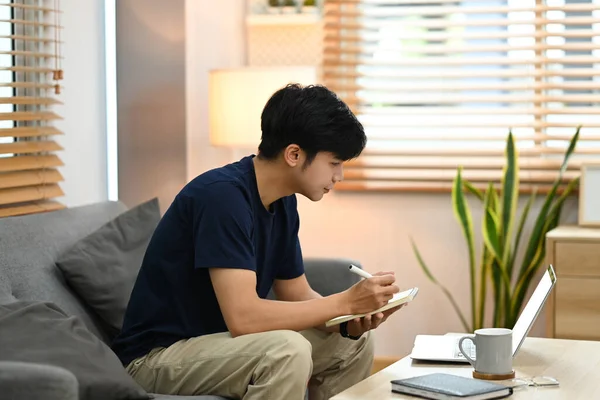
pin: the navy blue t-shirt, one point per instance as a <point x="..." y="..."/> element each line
<point x="217" y="220"/>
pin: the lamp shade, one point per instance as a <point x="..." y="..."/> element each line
<point x="237" y="98"/>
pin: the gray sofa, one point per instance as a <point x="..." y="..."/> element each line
<point x="29" y="246"/>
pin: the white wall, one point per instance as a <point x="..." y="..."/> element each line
<point x="84" y="110"/>
<point x="373" y="228"/>
<point x="214" y="39"/>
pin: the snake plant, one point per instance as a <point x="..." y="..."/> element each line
<point x="502" y="231"/>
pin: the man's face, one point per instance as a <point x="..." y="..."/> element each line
<point x="320" y="176"/>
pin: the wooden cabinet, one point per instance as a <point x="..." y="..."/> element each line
<point x="573" y="309"/>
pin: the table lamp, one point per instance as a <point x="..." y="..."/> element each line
<point x="237" y="97"/>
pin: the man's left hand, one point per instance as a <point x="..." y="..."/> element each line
<point x="358" y="326"/>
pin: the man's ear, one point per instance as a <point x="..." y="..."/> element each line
<point x="292" y="155"/>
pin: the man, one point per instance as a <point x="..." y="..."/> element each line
<point x="198" y="321"/>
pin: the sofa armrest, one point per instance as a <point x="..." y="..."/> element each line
<point x="330" y="275"/>
<point x="25" y="381"/>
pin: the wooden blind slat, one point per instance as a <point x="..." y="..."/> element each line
<point x="407" y="136"/>
<point x="428" y="187"/>
<point x="41" y="70"/>
<point x="395" y="126"/>
<point x="29" y="116"/>
<point x="371" y="36"/>
<point x="27" y="85"/>
<point x="384" y="2"/>
<point x="29" y="147"/>
<point x="436" y="61"/>
<point x="22" y="163"/>
<point x="26" y="131"/>
<point x="30" y="208"/>
<point x="29" y="178"/>
<point x="29" y="193"/>
<point x="454" y="99"/>
<point x="333" y="74"/>
<point x="367" y="50"/>
<point x="29" y="23"/>
<point x="29" y="100"/>
<point x="461" y="10"/>
<point x="32" y="54"/>
<point x="470" y="152"/>
<point x="517" y="110"/>
<point x="435" y="85"/>
<point x="475" y="175"/>
<point x="420" y="162"/>
<point x="353" y="3"/>
<point x="28" y="7"/>
<point x="441" y="23"/>
<point x="27" y="38"/>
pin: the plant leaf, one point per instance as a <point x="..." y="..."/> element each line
<point x="463" y="215"/>
<point x="491" y="239"/>
<point x="525" y="280"/>
<point x="486" y="260"/>
<point x="537" y="231"/>
<point x="422" y="262"/>
<point x="495" y="204"/>
<point x="510" y="196"/>
<point x="442" y="287"/>
<point x="495" y="271"/>
<point x="473" y="190"/>
<point x="570" y="150"/>
<point x="557" y="207"/>
<point x="551" y="222"/>
<point x="490" y="232"/>
<point x="509" y="267"/>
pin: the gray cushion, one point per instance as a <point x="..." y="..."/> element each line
<point x="29" y="246"/>
<point x="42" y="333"/>
<point x="103" y="266"/>
<point x="26" y="381"/>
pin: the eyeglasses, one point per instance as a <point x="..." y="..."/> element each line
<point x="537" y="381"/>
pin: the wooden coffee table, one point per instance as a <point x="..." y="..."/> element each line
<point x="574" y="363"/>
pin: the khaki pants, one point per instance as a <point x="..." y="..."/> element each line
<point x="268" y="366"/>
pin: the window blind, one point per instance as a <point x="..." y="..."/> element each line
<point x="439" y="83"/>
<point x="30" y="72"/>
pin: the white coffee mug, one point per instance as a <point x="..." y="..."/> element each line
<point x="493" y="351"/>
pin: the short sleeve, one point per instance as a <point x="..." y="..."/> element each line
<point x="222" y="228"/>
<point x="293" y="265"/>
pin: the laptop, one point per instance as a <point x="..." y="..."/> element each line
<point x="445" y="347"/>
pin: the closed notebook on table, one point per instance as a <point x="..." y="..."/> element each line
<point x="440" y="386"/>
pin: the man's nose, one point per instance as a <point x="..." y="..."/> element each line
<point x="339" y="175"/>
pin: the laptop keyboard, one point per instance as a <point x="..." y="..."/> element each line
<point x="468" y="347"/>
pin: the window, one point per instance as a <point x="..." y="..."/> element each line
<point x="5" y="75"/>
<point x="439" y="83"/>
<point x="29" y="75"/>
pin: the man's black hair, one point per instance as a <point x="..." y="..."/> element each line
<point x="314" y="118"/>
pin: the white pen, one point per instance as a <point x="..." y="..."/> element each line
<point x="358" y="271"/>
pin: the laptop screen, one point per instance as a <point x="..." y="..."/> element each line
<point x="533" y="308"/>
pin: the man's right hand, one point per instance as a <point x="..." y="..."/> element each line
<point x="372" y="293"/>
